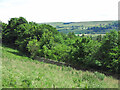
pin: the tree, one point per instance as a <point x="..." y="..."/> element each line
<point x="99" y="38"/>
<point x="107" y="54"/>
<point x="9" y="33"/>
<point x="71" y="35"/>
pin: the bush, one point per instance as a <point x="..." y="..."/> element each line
<point x="33" y="47"/>
<point x="99" y="75"/>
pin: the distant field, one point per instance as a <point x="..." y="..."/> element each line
<point x="90" y="34"/>
<point x="87" y="23"/>
<point x="98" y="27"/>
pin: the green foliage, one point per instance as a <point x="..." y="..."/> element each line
<point x="99" y="38"/>
<point x="43" y="40"/>
<point x="26" y="83"/>
<point x="60" y="51"/>
<point x="33" y="46"/>
<point x="9" y="31"/>
<point x="83" y="52"/>
<point x="108" y="52"/>
<point x="99" y="75"/>
<point x="71" y="35"/>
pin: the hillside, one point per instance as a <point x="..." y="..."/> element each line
<point x="91" y="27"/>
<point x="19" y="71"/>
<point x="99" y="53"/>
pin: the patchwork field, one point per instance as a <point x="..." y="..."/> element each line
<point x="91" y="27"/>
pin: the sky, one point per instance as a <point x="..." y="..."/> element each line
<point x="42" y="11"/>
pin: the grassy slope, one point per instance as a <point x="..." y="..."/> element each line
<point x="21" y="71"/>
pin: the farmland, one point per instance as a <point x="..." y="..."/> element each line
<point x="91" y="27"/>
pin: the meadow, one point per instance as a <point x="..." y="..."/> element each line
<point x="19" y="71"/>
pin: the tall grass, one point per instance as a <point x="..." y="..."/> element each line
<point x="23" y="72"/>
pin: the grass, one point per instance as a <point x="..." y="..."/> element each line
<point x="19" y="71"/>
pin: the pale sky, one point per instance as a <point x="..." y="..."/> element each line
<point x="59" y="10"/>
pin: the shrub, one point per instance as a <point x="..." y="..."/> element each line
<point x="99" y="75"/>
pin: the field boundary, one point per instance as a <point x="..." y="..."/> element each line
<point x="42" y="59"/>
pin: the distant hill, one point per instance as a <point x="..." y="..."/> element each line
<point x="91" y="27"/>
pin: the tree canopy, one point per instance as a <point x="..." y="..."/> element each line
<point x="45" y="41"/>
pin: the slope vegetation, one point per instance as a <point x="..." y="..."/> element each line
<point x="19" y="71"/>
